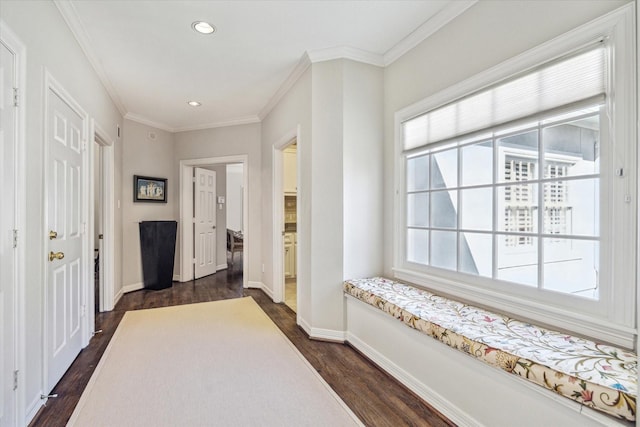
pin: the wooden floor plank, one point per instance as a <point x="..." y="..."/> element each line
<point x="375" y="397"/>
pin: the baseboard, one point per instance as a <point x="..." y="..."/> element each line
<point x="33" y="408"/>
<point x="222" y="267"/>
<point x="132" y="287"/>
<point x="176" y="277"/>
<point x="304" y="325"/>
<point x="118" y="296"/>
<point x="445" y="407"/>
<point x="327" y="335"/>
<point x="255" y="285"/>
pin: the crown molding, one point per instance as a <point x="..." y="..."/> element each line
<point x="162" y="126"/>
<point x="346" y="52"/>
<point x="147" y="122"/>
<point x="429" y="27"/>
<point x="297" y="72"/>
<point x="235" y="122"/>
<point x="70" y="16"/>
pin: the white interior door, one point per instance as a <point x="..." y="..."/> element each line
<point x="64" y="307"/>
<point x="205" y="222"/>
<point x="8" y="267"/>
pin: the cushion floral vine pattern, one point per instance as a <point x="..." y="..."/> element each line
<point x="599" y="376"/>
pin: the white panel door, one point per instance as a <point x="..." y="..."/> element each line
<point x="8" y="255"/>
<point x="64" y="308"/>
<point x="205" y="222"/>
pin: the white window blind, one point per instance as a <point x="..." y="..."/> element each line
<point x="574" y="79"/>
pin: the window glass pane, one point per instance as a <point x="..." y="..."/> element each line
<point x="477" y="163"/>
<point x="518" y="157"/>
<point x="477" y="209"/>
<point x="571" y="266"/>
<point x="518" y="208"/>
<point x="418" y="246"/>
<point x="418" y="173"/>
<point x="572" y="207"/>
<point x="444" y="169"/>
<point x="444" y="209"/>
<point x="418" y="210"/>
<point x="571" y="149"/>
<point x="476" y="254"/>
<point x="518" y="259"/>
<point x="443" y="249"/>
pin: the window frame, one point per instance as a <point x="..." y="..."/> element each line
<point x="612" y="318"/>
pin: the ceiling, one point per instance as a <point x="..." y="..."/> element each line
<point x="152" y="62"/>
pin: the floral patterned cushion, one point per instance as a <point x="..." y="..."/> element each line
<point x="596" y="375"/>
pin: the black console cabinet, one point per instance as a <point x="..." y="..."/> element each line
<point x="158" y="248"/>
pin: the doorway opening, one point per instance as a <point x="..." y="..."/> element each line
<point x="102" y="223"/>
<point x="289" y="226"/>
<point x="98" y="235"/>
<point x="193" y="228"/>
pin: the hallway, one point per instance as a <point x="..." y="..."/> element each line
<point x="376" y="398"/>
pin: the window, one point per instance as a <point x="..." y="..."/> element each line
<point x="518" y="195"/>
<point x="452" y="206"/>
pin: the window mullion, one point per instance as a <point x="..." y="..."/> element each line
<point x="541" y="207"/>
<point x="496" y="214"/>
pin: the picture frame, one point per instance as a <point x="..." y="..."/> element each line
<point x="149" y="189"/>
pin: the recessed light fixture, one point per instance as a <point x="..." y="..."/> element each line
<point x="194" y="103"/>
<point x="203" y="27"/>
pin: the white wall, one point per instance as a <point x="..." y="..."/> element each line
<point x="52" y="47"/>
<point x="487" y="34"/>
<point x="362" y="170"/>
<point x="147" y="157"/>
<point x="230" y="141"/>
<point x="293" y="110"/>
<point x="234" y="193"/>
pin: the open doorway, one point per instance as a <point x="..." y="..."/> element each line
<point x="189" y="238"/>
<point x="98" y="235"/>
<point x="289" y="227"/>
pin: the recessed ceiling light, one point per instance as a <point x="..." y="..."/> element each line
<point x="194" y="103"/>
<point x="203" y="27"/>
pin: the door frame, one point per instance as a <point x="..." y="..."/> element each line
<point x="186" y="211"/>
<point x="107" y="268"/>
<point x="13" y="43"/>
<point x="50" y="83"/>
<point x="278" y="210"/>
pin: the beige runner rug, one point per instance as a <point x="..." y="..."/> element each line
<point x="222" y="363"/>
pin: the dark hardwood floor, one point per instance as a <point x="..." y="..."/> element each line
<point x="375" y="397"/>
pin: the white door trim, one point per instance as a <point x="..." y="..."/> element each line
<point x="11" y="41"/>
<point x="278" y="210"/>
<point x="186" y="211"/>
<point x="50" y="83"/>
<point x="107" y="273"/>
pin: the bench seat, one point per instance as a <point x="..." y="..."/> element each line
<point x="599" y="376"/>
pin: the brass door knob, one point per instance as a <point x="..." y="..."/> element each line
<point x="55" y="255"/>
<point x="53" y="235"/>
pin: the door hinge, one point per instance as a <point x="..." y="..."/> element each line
<point x="15" y="238"/>
<point x="194" y="179"/>
<point x="15" y="380"/>
<point x="83" y="311"/>
<point x="16" y="97"/>
<point x="84" y="145"/>
<point x="194" y="261"/>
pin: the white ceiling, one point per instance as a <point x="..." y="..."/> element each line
<point x="152" y="62"/>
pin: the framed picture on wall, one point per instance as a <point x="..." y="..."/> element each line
<point x="148" y="189"/>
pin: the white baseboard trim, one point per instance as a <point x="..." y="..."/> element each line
<point x="327" y="335"/>
<point x="222" y="267"/>
<point x="255" y="285"/>
<point x="448" y="409"/>
<point x="118" y="296"/>
<point x="176" y="277"/>
<point x="304" y="325"/>
<point x="33" y="408"/>
<point x="132" y="287"/>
